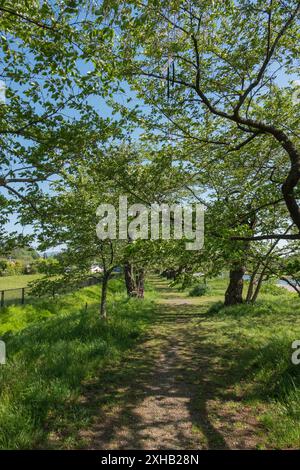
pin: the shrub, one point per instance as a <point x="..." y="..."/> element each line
<point x="199" y="290"/>
<point x="14" y="268"/>
<point x="3" y="266"/>
<point x="272" y="289"/>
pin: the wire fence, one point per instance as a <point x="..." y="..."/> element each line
<point x="22" y="295"/>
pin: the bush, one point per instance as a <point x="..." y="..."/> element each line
<point x="54" y="349"/>
<point x="14" y="268"/>
<point x="215" y="308"/>
<point x="3" y="266"/>
<point x="199" y="290"/>
<point x="272" y="289"/>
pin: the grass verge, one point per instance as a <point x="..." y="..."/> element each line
<point x="253" y="344"/>
<point x="53" y="349"/>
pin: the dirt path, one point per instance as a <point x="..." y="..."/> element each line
<point x="170" y="393"/>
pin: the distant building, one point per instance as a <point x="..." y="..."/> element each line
<point x="95" y="268"/>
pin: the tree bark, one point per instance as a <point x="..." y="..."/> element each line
<point x="259" y="284"/>
<point x="129" y="279"/>
<point x="140" y="282"/>
<point x="103" y="313"/>
<point x="234" y="292"/>
<point x="251" y="285"/>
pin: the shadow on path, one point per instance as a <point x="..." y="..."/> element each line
<point x="169" y="393"/>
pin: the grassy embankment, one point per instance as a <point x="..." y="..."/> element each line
<point x="54" y="348"/>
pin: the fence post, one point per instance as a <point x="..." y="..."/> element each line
<point x="23" y="296"/>
<point x="2" y="299"/>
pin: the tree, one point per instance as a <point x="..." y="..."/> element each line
<point x="69" y="220"/>
<point x="220" y="61"/>
<point x="46" y="121"/>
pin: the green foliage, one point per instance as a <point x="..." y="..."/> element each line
<point x="272" y="288"/>
<point x="24" y="260"/>
<point x="199" y="290"/>
<point x="233" y="126"/>
<point x="25" y="254"/>
<point x="47" y="123"/>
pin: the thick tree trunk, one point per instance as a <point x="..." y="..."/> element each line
<point x="104" y="285"/>
<point x="234" y="293"/>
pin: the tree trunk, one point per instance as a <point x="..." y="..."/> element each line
<point x="251" y="285"/>
<point x="129" y="279"/>
<point x="259" y="283"/>
<point x="234" y="292"/>
<point x="134" y="282"/>
<point x="103" y="313"/>
<point x="140" y="281"/>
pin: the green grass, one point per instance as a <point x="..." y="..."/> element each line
<point x="55" y="348"/>
<point x="253" y="344"/>
<point x="16" y="282"/>
<point x="12" y="285"/>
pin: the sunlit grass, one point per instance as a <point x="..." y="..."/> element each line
<point x="16" y="282"/>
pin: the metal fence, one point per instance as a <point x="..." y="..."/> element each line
<point x="12" y="296"/>
<point x="21" y="295"/>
